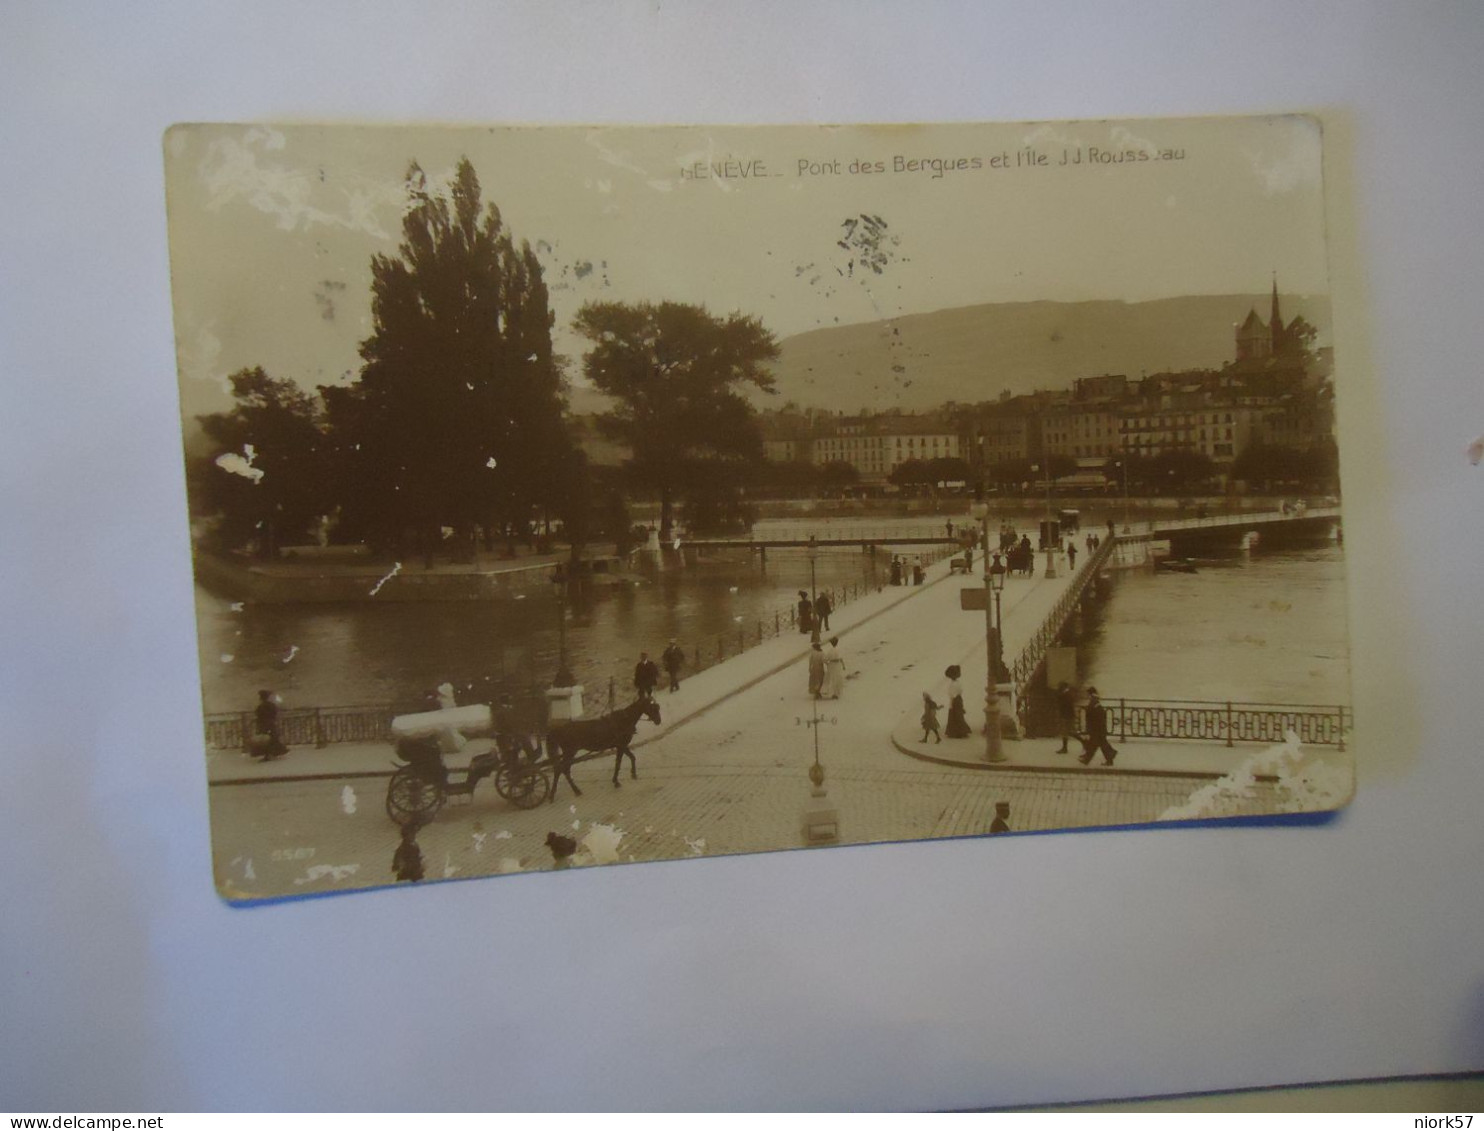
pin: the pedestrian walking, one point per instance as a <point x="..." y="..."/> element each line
<point x="958" y="723"/>
<point x="646" y="676"/>
<point x="1097" y="731"/>
<point x="822" y="611"/>
<point x="918" y="574"/>
<point x="674" y="659"/>
<point x="407" y="860"/>
<point x="806" y="612"/>
<point x="950" y="528"/>
<point x="834" y="671"/>
<point x="1066" y="713"/>
<point x="816" y="670"/>
<point x="1071" y="555"/>
<point x="896" y="570"/>
<point x="1001" y="822"/>
<point x="264" y="742"/>
<point x="930" y="710"/>
<point x="1092" y="543"/>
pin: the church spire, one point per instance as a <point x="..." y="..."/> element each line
<point x="1275" y="323"/>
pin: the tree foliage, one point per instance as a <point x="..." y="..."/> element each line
<point x="266" y="477"/>
<point x="457" y="417"/>
<point x="677" y="373"/>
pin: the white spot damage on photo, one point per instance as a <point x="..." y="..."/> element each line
<point x="347" y="800"/>
<point x="242" y="465"/>
<point x="396" y="569"/>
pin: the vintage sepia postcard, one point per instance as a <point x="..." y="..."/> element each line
<point x="565" y="496"/>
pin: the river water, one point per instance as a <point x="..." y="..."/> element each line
<point x="1264" y="627"/>
<point x="1269" y="626"/>
<point x="365" y="653"/>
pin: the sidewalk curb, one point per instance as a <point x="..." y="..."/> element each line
<point x="280" y="779"/>
<point x="1101" y="771"/>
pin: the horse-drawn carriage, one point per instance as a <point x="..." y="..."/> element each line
<point x="526" y="757"/>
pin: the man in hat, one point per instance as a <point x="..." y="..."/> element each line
<point x="1097" y="731"/>
<point x="1001" y="822"/>
<point x="673" y="658"/>
<point x="646" y="676"/>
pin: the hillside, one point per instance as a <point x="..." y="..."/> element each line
<point x="972" y="353"/>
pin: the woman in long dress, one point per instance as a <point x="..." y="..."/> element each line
<point x="834" y="670"/>
<point x="958" y="724"/>
<point x="816" y="670"/>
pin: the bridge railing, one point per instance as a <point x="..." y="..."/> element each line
<point x="1147" y="528"/>
<point x="1227" y="722"/>
<point x="850" y="532"/>
<point x="1024" y="668"/>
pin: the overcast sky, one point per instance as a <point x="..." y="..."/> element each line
<point x="272" y="228"/>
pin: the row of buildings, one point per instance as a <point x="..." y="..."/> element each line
<point x="1277" y="392"/>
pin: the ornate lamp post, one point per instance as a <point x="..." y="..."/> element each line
<point x="992" y="742"/>
<point x="1050" y="519"/>
<point x="997" y="586"/>
<point x="813" y="591"/>
<point x="563" y="676"/>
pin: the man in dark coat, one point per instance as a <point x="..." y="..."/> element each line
<point x="646" y="676"/>
<point x="1097" y="731"/>
<point x="674" y="658"/>
<point x="264" y="742"/>
<point x="822" y="611"/>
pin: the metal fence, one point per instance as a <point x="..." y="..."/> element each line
<point x="305" y="726"/>
<point x="1211" y="721"/>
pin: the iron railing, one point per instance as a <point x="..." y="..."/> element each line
<point x="1023" y="670"/>
<point x="1227" y="722"/>
<point x="305" y="726"/>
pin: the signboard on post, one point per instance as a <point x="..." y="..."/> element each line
<point x="973" y="599"/>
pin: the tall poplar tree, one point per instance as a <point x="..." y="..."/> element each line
<point x="456" y="419"/>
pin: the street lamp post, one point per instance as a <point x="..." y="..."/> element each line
<point x="563" y="673"/>
<point x="813" y="591"/>
<point x="993" y="751"/>
<point x="997" y="584"/>
<point x="1050" y="519"/>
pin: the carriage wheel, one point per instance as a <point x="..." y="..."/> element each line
<point x="525" y="787"/>
<point x="410" y="795"/>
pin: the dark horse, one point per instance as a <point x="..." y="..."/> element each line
<point x="610" y="732"/>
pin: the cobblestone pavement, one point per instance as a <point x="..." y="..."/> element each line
<point x="303" y="837"/>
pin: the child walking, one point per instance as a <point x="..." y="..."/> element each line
<point x="930" y="718"/>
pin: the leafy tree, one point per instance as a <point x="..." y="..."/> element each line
<point x="265" y="477"/>
<point x="838" y="473"/>
<point x="677" y="373"/>
<point x="457" y="417"/>
<point x="948" y="469"/>
<point x="911" y="473"/>
<point x="713" y="502"/>
<point x="1296" y="342"/>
